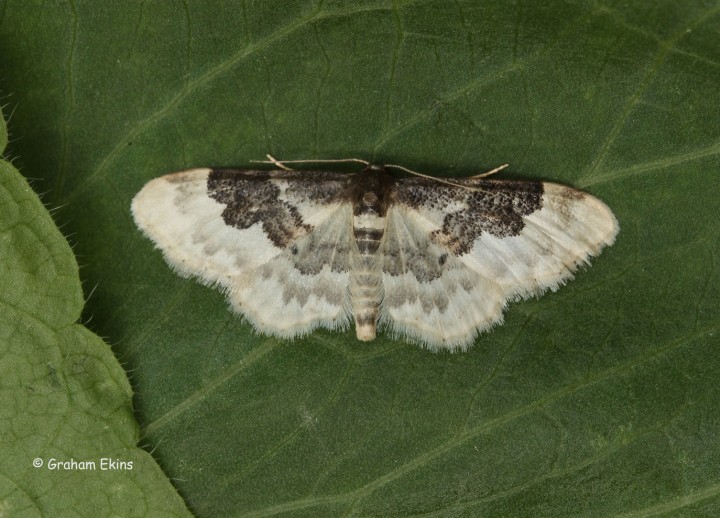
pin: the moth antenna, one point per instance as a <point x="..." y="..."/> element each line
<point x="280" y="163"/>
<point x="435" y="178"/>
<point x="271" y="160"/>
<point x="492" y="171"/>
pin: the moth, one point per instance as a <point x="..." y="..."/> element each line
<point x="434" y="262"/>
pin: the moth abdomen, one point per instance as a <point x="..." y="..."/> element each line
<point x="368" y="240"/>
<point x="366" y="293"/>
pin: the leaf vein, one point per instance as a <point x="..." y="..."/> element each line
<point x="455" y="442"/>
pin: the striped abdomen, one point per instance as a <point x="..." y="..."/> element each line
<point x="366" y="290"/>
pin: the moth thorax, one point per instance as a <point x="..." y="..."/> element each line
<point x="370" y="200"/>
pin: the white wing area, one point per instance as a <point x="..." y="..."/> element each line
<point x="295" y="293"/>
<point x="177" y="214"/>
<point x="569" y="229"/>
<point x="440" y="308"/>
<point x="451" y="307"/>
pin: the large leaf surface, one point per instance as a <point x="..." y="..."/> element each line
<point x="598" y="399"/>
<point x="69" y="440"/>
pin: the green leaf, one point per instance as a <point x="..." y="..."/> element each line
<point x="69" y="436"/>
<point x="598" y="399"/>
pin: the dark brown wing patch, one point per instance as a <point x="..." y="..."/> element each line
<point x="495" y="207"/>
<point x="266" y="197"/>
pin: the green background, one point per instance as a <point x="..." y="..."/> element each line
<point x="599" y="399"/>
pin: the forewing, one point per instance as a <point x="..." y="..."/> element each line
<point x="565" y="231"/>
<point x="503" y="240"/>
<point x="246" y="230"/>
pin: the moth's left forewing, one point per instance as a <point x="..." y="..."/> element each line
<point x="486" y="242"/>
<point x="180" y="217"/>
<point x="276" y="241"/>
